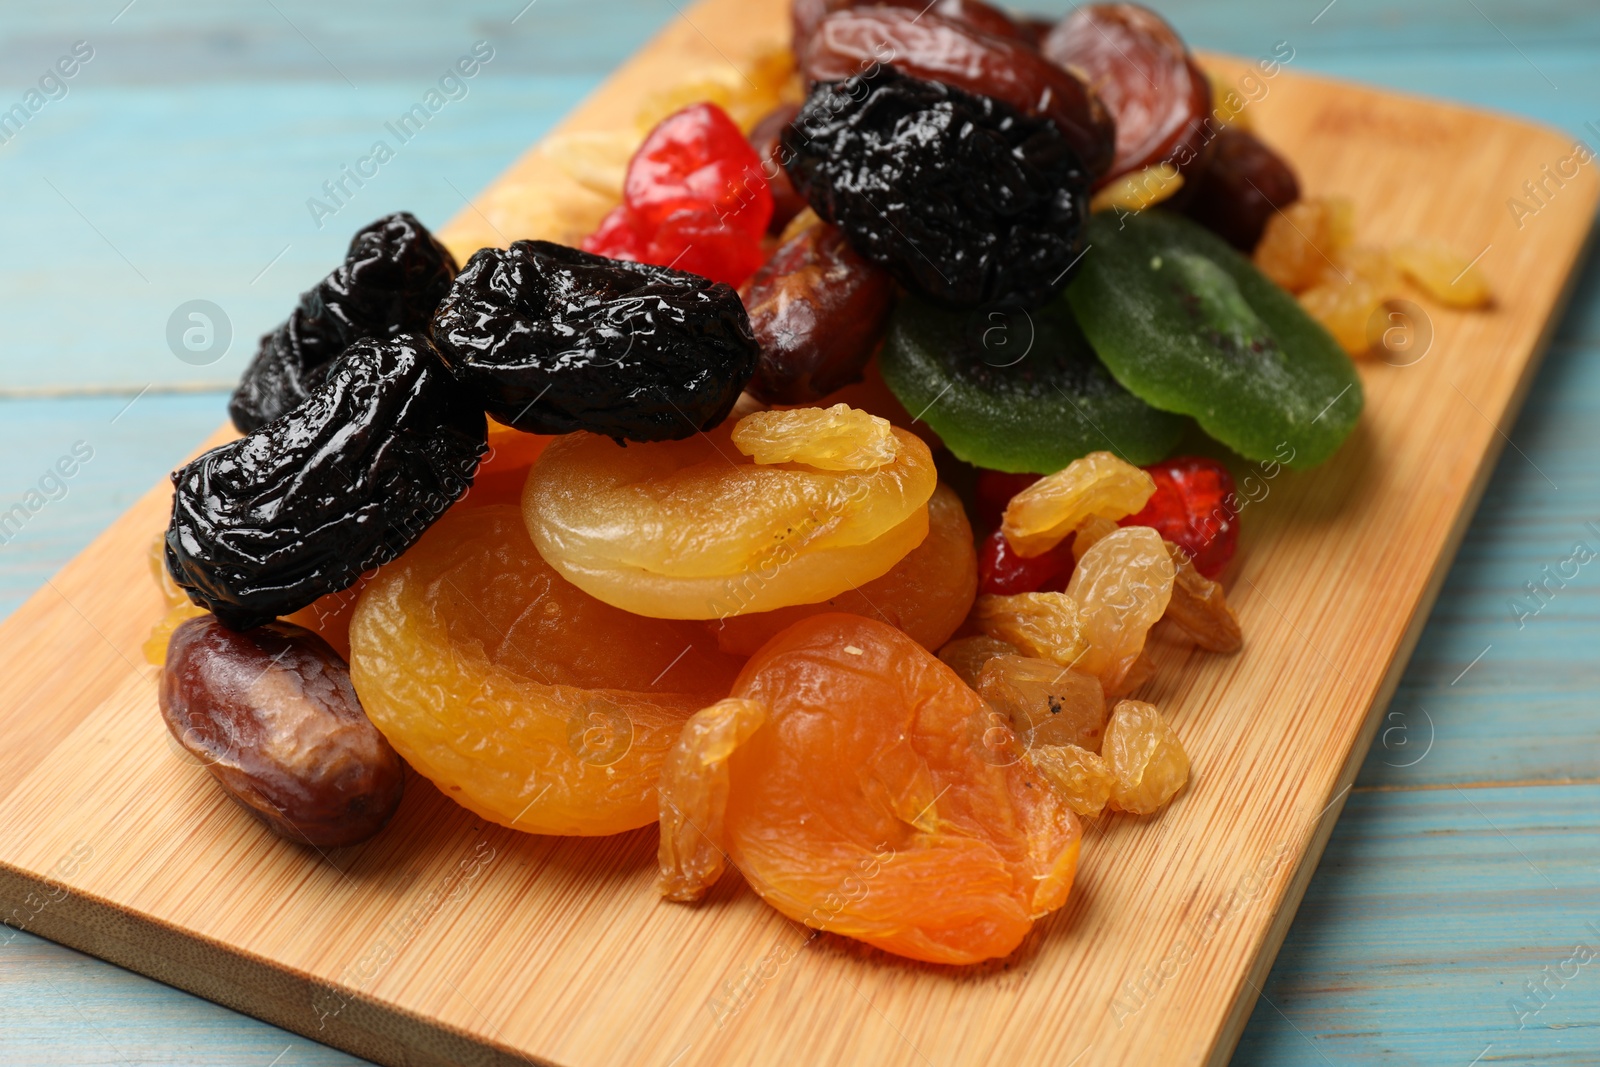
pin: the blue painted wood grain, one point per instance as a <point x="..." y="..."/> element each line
<point x="177" y="167"/>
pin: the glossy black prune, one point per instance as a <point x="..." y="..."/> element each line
<point x="393" y="276"/>
<point x="551" y="340"/>
<point x="959" y="196"/>
<point x="347" y="481"/>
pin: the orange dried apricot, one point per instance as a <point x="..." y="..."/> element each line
<point x="1146" y="757"/>
<point x="520" y="696"/>
<point x="861" y="804"/>
<point x="695" y="529"/>
<point x="927" y="594"/>
<point x="503" y="471"/>
<point x="1048" y="511"/>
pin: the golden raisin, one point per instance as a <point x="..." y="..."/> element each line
<point x="1083" y="779"/>
<point x="967" y="655"/>
<point x="928" y="593"/>
<point x="1043" y="625"/>
<point x="1301" y="240"/>
<point x="1145" y="756"/>
<point x="1139" y="190"/>
<point x="1122" y="587"/>
<point x="1200" y="609"/>
<point x="839" y="438"/>
<point x="1443" y="273"/>
<point x="1345" y="309"/>
<point x="1048" y="511"/>
<point x="1048" y="704"/>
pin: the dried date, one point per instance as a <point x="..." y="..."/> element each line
<point x="1139" y="66"/>
<point x="786" y="203"/>
<point x="347" y="481"/>
<point x="818" y="311"/>
<point x="393" y="276"/>
<point x="806" y="15"/>
<point x="551" y="340"/>
<point x="961" y="197"/>
<point x="939" y="49"/>
<point x="1241" y="188"/>
<point x="273" y="716"/>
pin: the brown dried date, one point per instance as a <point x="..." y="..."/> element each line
<point x="1241" y="188"/>
<point x="1139" y="66"/>
<point x="764" y="138"/>
<point x="818" y="311"/>
<point x="273" y="716"/>
<point x="942" y="50"/>
<point x="807" y="14"/>
<point x="265" y="525"/>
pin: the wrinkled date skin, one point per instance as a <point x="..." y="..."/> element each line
<point x="392" y="278"/>
<point x="807" y="15"/>
<point x="265" y="525"/>
<point x="1245" y="183"/>
<point x="961" y="197"/>
<point x="764" y="138"/>
<point x="1158" y="95"/>
<point x="926" y="46"/>
<point x="818" y="311"/>
<point x="551" y="340"/>
<point x="273" y="716"/>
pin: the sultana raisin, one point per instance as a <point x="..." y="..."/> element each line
<point x="1045" y="513"/>
<point x="1084" y="780"/>
<point x="1301" y="241"/>
<point x="1122" y="586"/>
<point x="393" y="276"/>
<point x="1047" y="704"/>
<point x="1199" y="607"/>
<point x="967" y="655"/>
<point x="1146" y="757"/>
<point x="1043" y="625"/>
<point x="1443" y="273"/>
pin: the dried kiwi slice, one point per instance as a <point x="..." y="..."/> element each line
<point x="1015" y="390"/>
<point x="1191" y="326"/>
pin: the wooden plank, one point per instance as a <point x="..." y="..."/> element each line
<point x="1302" y="692"/>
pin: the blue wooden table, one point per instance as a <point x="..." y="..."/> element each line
<point x="176" y="162"/>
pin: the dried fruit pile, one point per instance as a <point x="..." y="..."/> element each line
<point x="821" y="507"/>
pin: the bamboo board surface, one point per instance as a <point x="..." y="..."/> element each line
<point x="448" y="941"/>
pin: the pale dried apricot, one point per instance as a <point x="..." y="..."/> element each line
<point x="1048" y="511"/>
<point x="1083" y="779"/>
<point x="1146" y="757"/>
<point x="694" y="529"/>
<point x="1048" y="704"/>
<point x="1443" y="273"/>
<point x="1043" y="625"/>
<point x="1122" y="586"/>
<point x="927" y="594"/>
<point x="520" y="696"/>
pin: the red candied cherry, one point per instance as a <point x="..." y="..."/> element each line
<point x="1195" y="508"/>
<point x="1004" y="573"/>
<point x="618" y="237"/>
<point x="695" y="157"/>
<point x="695" y="240"/>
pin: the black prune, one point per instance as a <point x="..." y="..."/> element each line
<point x="392" y="278"/>
<point x="959" y="196"/>
<point x="345" y="482"/>
<point x="551" y="340"/>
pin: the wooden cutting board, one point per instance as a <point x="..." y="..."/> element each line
<point x="450" y="941"/>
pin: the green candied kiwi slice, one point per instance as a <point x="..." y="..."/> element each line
<point x="1191" y="326"/>
<point x="1018" y="391"/>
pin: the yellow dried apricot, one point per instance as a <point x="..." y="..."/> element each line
<point x="1443" y="273"/>
<point x="861" y="805"/>
<point x="693" y="529"/>
<point x="927" y="594"/>
<point x="1122" y="586"/>
<point x="521" y="697"/>
<point x="1145" y="756"/>
<point x="1047" y="512"/>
